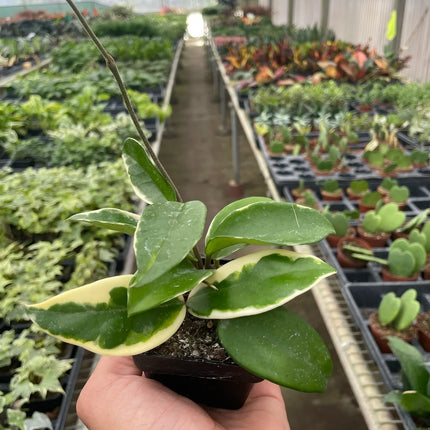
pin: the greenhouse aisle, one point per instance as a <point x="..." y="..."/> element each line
<point x="199" y="160"/>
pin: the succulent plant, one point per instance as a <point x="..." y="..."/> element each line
<point x="415" y="222"/>
<point x="387" y="219"/>
<point x="332" y="186"/>
<point x="359" y="186"/>
<point x="277" y="146"/>
<point x="387" y="183"/>
<point x="421" y="236"/>
<point x="399" y="194"/>
<point x="371" y="198"/>
<point x="339" y="220"/>
<point x="406" y="258"/>
<point x="401" y="311"/>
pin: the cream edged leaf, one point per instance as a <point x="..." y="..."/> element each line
<point x="112" y="218"/>
<point x="95" y="317"/>
<point x="257" y="283"/>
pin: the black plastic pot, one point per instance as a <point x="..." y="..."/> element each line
<point x="213" y="384"/>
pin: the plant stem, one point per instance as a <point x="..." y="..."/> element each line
<point x="110" y="62"/>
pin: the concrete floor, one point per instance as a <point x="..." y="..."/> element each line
<point x="199" y="158"/>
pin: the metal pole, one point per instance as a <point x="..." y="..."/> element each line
<point x="399" y="6"/>
<point x="215" y="78"/>
<point x="325" y="7"/>
<point x="290" y="12"/>
<point x="222" y="129"/>
<point x="234" y="147"/>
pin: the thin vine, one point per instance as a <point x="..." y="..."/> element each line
<point x="110" y="62"/>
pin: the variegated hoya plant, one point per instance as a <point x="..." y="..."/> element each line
<point x="131" y="314"/>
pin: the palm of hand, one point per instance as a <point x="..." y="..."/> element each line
<point x="119" y="398"/>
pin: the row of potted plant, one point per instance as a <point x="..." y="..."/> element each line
<point x="43" y="252"/>
<point x="16" y="53"/>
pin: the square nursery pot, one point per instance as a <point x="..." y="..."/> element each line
<point x="213" y="384"/>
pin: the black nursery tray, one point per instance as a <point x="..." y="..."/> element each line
<point x="362" y="301"/>
<point x="411" y="143"/>
<point x="291" y="169"/>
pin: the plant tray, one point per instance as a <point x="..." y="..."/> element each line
<point x="410" y="142"/>
<point x="362" y="301"/>
<point x="291" y="169"/>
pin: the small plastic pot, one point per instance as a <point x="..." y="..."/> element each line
<point x="344" y="257"/>
<point x="387" y="276"/>
<point x="423" y="330"/>
<point x="333" y="240"/>
<point x="214" y="384"/>
<point x="330" y="196"/>
<point x="377" y="240"/>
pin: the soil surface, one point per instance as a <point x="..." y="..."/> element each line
<point x="196" y="339"/>
<point x="199" y="158"/>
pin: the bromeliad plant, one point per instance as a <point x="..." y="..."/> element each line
<point x="132" y="314"/>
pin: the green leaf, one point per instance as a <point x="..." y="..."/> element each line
<point x="95" y="317"/>
<point x="412" y="363"/>
<point x="148" y="183"/>
<point x="389" y="308"/>
<point x="392" y="26"/>
<point x="114" y="219"/>
<point x="257" y="283"/>
<point x="165" y="234"/>
<point x="280" y="347"/>
<point x="179" y="280"/>
<point x="267" y="223"/>
<point x="413" y="401"/>
<point x="222" y="214"/>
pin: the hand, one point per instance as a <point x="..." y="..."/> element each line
<point x="118" y="397"/>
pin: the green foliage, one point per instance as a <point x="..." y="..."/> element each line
<point x="359" y="186"/>
<point x="421" y="236"/>
<point x="387" y="219"/>
<point x="277" y="147"/>
<point x="399" y="312"/>
<point x="414" y="396"/>
<point x="339" y="221"/>
<point x="406" y="258"/>
<point x="332" y="186"/>
<point x="387" y="183"/>
<point x="165" y="234"/>
<point x="371" y="198"/>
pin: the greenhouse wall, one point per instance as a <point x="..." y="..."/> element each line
<point x="12" y="9"/>
<point x="349" y="19"/>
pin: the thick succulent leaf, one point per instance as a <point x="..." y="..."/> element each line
<point x="165" y="234"/>
<point x="148" y="183"/>
<point x="415" y="402"/>
<point x="278" y="346"/>
<point x="256" y="283"/>
<point x="177" y="281"/>
<point x="112" y="218"/>
<point x="95" y="317"/>
<point x="268" y="223"/>
<point x="412" y="363"/>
